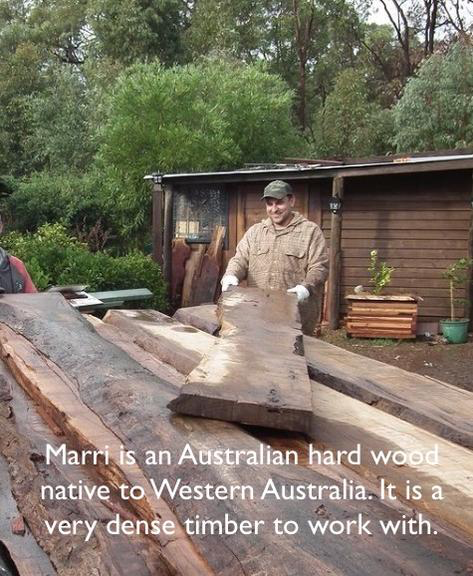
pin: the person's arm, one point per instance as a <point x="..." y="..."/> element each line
<point x="317" y="269"/>
<point x="238" y="265"/>
<point x="21" y="268"/>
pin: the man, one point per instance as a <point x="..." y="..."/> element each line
<point x="14" y="277"/>
<point x="283" y="252"/>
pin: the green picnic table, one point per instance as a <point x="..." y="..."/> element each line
<point x="116" y="298"/>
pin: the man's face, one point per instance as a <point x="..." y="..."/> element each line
<point x="280" y="211"/>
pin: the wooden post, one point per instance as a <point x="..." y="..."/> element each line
<point x="335" y="259"/>
<point x="241" y="213"/>
<point x="469" y="285"/>
<point x="168" y="233"/>
<point x="157" y="234"/>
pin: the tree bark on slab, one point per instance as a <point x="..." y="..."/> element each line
<point x="435" y="406"/>
<point x="254" y="374"/>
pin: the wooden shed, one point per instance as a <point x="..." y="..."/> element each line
<point x="416" y="211"/>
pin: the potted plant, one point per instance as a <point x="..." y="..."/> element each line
<point x="376" y="315"/>
<point x="455" y="330"/>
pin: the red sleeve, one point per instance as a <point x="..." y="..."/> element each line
<point x="29" y="286"/>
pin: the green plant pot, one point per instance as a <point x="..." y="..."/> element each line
<point x="455" y="331"/>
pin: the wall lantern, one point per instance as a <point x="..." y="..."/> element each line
<point x="335" y="204"/>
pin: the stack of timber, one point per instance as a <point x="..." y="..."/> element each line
<point x="375" y="316"/>
<point x="340" y="422"/>
<point x="231" y="384"/>
<point x="88" y="392"/>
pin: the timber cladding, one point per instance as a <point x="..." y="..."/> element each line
<point x="419" y="223"/>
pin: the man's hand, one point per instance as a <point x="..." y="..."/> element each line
<point x="227" y="281"/>
<point x="301" y="291"/>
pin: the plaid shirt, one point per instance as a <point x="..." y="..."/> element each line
<point x="279" y="259"/>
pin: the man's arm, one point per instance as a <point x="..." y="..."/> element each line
<point x="238" y="265"/>
<point x="317" y="268"/>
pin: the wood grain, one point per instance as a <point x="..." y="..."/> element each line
<point x="267" y="388"/>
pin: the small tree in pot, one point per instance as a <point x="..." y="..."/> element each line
<point x="380" y="273"/>
<point x="455" y="329"/>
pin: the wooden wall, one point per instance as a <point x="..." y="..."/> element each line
<point x="419" y="223"/>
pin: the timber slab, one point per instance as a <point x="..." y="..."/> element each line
<point x="255" y="373"/>
<point x="441" y="408"/>
<point x="436" y="406"/>
<point x="340" y="422"/>
<point x="23" y="436"/>
<point x="172" y="342"/>
<point x="203" y="317"/>
<point x="131" y="401"/>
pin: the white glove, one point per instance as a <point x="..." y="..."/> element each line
<point x="227" y="281"/>
<point x="301" y="291"/>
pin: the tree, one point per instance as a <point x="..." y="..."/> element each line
<point x="137" y="30"/>
<point x="211" y="115"/>
<point x="60" y="137"/>
<point x="435" y="111"/>
<point x="349" y="124"/>
<point x="236" y="27"/>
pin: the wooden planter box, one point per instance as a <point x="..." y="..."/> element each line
<point x="371" y="316"/>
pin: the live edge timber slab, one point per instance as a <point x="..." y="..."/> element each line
<point x="340" y="422"/>
<point x="436" y="406"/>
<point x="255" y="373"/>
<point x="130" y="401"/>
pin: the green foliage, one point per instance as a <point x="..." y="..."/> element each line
<point x="349" y="125"/>
<point x="435" y="111"/>
<point x="68" y="198"/>
<point x="137" y="30"/>
<point x="380" y="273"/>
<point x="235" y="26"/>
<point x="52" y="256"/>
<point x="60" y="136"/>
<point x="456" y="274"/>
<point x="206" y="116"/>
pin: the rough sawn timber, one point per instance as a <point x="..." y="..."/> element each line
<point x="173" y="343"/>
<point x="436" y="406"/>
<point x="132" y="401"/>
<point x="23" y="438"/>
<point x="254" y="374"/>
<point x="203" y="317"/>
<point x="441" y="408"/>
<point x="340" y="422"/>
<point x="384" y="435"/>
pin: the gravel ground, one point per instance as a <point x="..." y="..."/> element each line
<point x="451" y="363"/>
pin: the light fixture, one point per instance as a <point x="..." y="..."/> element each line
<point x="335" y="204"/>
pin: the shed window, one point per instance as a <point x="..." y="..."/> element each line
<point x="198" y="211"/>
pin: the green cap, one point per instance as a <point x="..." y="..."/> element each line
<point x="277" y="189"/>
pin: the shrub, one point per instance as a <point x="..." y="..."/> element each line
<point x="72" y="199"/>
<point x="53" y="256"/>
